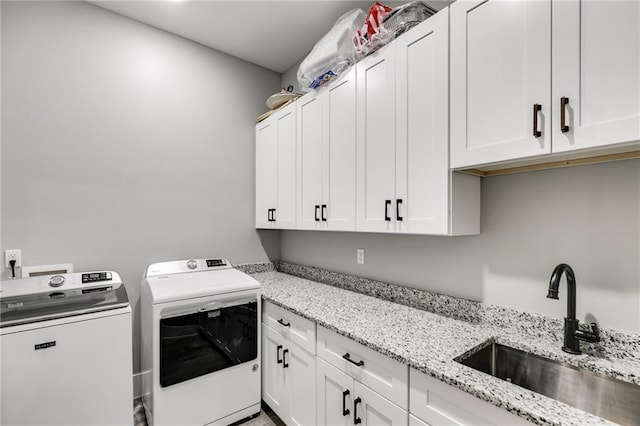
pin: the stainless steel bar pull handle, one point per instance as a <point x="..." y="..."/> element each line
<point x="536" y="109"/>
<point x="564" y="128"/>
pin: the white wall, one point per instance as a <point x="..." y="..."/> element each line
<point x="587" y="216"/>
<point x="124" y="145"/>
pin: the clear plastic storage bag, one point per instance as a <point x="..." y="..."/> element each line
<point x="332" y="54"/>
<point x="373" y="35"/>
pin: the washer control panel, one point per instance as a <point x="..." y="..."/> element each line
<point x="93" y="277"/>
<point x="211" y="263"/>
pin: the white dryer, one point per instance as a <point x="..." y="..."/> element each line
<point x="200" y="343"/>
<point x="66" y="350"/>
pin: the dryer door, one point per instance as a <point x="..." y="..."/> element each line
<point x="213" y="337"/>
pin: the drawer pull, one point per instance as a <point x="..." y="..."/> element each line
<point x="284" y="362"/>
<point x="281" y="322"/>
<point x="316" y="214"/>
<point x="323" y="213"/>
<point x="278" y="349"/>
<point x="356" y="419"/>
<point x="345" y="410"/>
<point x="348" y="358"/>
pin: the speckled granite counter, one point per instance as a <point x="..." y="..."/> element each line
<point x="430" y="341"/>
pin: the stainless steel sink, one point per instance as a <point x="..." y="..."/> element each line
<point x="605" y="397"/>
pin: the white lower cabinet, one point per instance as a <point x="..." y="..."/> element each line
<point x="311" y="375"/>
<point x="436" y="403"/>
<point x="342" y="400"/>
<point x="288" y="377"/>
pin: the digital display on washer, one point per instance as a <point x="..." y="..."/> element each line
<point x="215" y="262"/>
<point x="93" y="277"/>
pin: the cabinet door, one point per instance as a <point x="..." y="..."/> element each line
<point x="376" y="141"/>
<point x="285" y="214"/>
<point x="301" y="368"/>
<point x="376" y="410"/>
<point x="266" y="172"/>
<point x="310" y="135"/>
<point x="340" y="154"/>
<point x="500" y="69"/>
<point x="422" y="127"/>
<point x="334" y="396"/>
<point x="274" y="377"/>
<point x="596" y="65"/>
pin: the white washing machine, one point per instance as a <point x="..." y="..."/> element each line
<point x="66" y="350"/>
<point x="200" y="343"/>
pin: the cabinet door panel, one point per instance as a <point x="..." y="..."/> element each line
<point x="302" y="391"/>
<point x="596" y="64"/>
<point x="331" y="385"/>
<point x="310" y="133"/>
<point x="376" y="410"/>
<point x="500" y="68"/>
<point x="376" y="140"/>
<point x="286" y="166"/>
<point x="340" y="155"/>
<point x="266" y="172"/>
<point x="422" y="127"/>
<point x="274" y="379"/>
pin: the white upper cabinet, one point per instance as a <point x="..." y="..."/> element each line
<point x="326" y="157"/>
<point x="404" y="181"/>
<point x="310" y="171"/>
<point x="422" y="128"/>
<point x="500" y="80"/>
<point x="340" y="154"/>
<point x="543" y="76"/>
<point x="266" y="173"/>
<point x="596" y="73"/>
<point x="376" y="141"/>
<point x="276" y="170"/>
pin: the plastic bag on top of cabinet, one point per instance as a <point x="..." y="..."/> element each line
<point x="332" y="54"/>
<point x="373" y="35"/>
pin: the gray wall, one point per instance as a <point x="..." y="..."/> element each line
<point x="587" y="216"/>
<point x="290" y="77"/>
<point x="124" y="145"/>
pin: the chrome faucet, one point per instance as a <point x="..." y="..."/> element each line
<point x="572" y="333"/>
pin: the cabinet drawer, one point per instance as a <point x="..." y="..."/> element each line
<point x="298" y="330"/>
<point x="384" y="375"/>
<point x="438" y="403"/>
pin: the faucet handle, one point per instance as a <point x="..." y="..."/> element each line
<point x="596" y="331"/>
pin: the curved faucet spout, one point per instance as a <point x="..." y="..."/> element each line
<point x="554" y="283"/>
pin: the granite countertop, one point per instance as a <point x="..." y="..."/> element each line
<point x="430" y="341"/>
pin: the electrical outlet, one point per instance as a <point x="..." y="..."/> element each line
<point x="12" y="255"/>
<point x="360" y="256"/>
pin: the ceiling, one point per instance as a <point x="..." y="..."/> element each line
<point x="272" y="34"/>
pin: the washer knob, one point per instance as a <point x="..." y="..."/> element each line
<point x="56" y="281"/>
<point x="192" y="264"/>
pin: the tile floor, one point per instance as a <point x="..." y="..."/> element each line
<point x="266" y="418"/>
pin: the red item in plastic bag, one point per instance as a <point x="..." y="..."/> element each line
<point x="368" y="37"/>
<point x="376" y="15"/>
